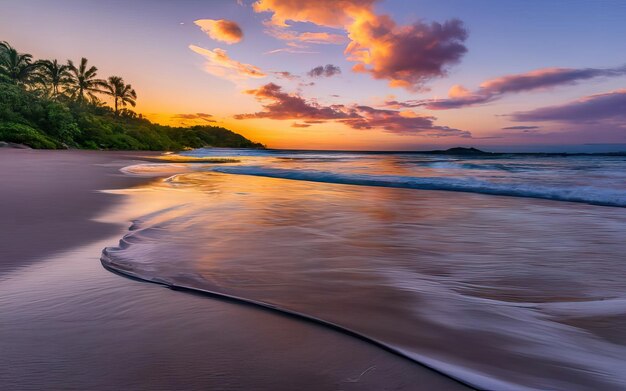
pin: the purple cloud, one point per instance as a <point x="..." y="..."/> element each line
<point x="280" y="105"/>
<point x="494" y="89"/>
<point x="607" y="108"/>
<point x="407" y="56"/>
<point x="329" y="70"/>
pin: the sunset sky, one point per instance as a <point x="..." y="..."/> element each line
<point x="528" y="75"/>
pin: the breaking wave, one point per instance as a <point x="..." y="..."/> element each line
<point x="584" y="194"/>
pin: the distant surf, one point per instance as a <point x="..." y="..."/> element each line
<point x="585" y="194"/>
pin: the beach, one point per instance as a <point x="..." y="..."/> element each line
<point x="67" y="323"/>
<point x="286" y="195"/>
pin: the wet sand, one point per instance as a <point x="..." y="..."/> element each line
<point x="69" y="324"/>
<point x="48" y="199"/>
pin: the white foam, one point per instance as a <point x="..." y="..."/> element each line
<point x="584" y="194"/>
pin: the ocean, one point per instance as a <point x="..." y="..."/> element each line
<point x="503" y="271"/>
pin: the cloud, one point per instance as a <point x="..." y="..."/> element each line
<point x="394" y="104"/>
<point x="607" y="109"/>
<point x="286" y="75"/>
<point x="221" y="30"/>
<point x="539" y="79"/>
<point x="219" y="64"/>
<point x="523" y="128"/>
<point x="331" y="13"/>
<point x="280" y="105"/>
<point x="322" y="38"/>
<point x="295" y="37"/>
<point x="400" y="122"/>
<point x="407" y="56"/>
<point x="299" y="125"/>
<point x="195" y="116"/>
<point x="329" y="70"/>
<point x="291" y="49"/>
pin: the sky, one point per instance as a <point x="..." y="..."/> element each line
<point x="527" y="75"/>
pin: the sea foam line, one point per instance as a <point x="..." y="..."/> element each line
<point x="470" y="379"/>
<point x="588" y="195"/>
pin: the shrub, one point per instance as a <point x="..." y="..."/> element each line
<point x="24" y="134"/>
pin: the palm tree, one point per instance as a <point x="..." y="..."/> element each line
<point x="122" y="93"/>
<point x="83" y="81"/>
<point x="18" y="67"/>
<point x="54" y="75"/>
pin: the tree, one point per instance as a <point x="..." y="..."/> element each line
<point x="54" y="75"/>
<point x="83" y="81"/>
<point x="122" y="93"/>
<point x="17" y="67"/>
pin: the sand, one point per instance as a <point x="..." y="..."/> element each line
<point x="48" y="199"/>
<point x="66" y="323"/>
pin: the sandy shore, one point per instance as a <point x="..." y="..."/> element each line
<point x="69" y="324"/>
<point x="48" y="199"/>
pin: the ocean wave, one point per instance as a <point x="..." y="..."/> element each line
<point x="582" y="194"/>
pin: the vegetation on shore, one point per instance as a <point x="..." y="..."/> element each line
<point x="47" y="104"/>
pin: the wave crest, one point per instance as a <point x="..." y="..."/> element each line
<point x="583" y="194"/>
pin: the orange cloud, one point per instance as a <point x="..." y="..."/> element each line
<point x="220" y="65"/>
<point x="331" y="13"/>
<point x="299" y="125"/>
<point x="458" y="91"/>
<point x="221" y="30"/>
<point x="406" y="56"/>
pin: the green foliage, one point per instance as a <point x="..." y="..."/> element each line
<point x="34" y="110"/>
<point x="24" y="134"/>
<point x="59" y="123"/>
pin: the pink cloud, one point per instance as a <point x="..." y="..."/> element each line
<point x="219" y="64"/>
<point x="331" y="13"/>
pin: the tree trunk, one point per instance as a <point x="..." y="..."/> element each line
<point x="116" y="106"/>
